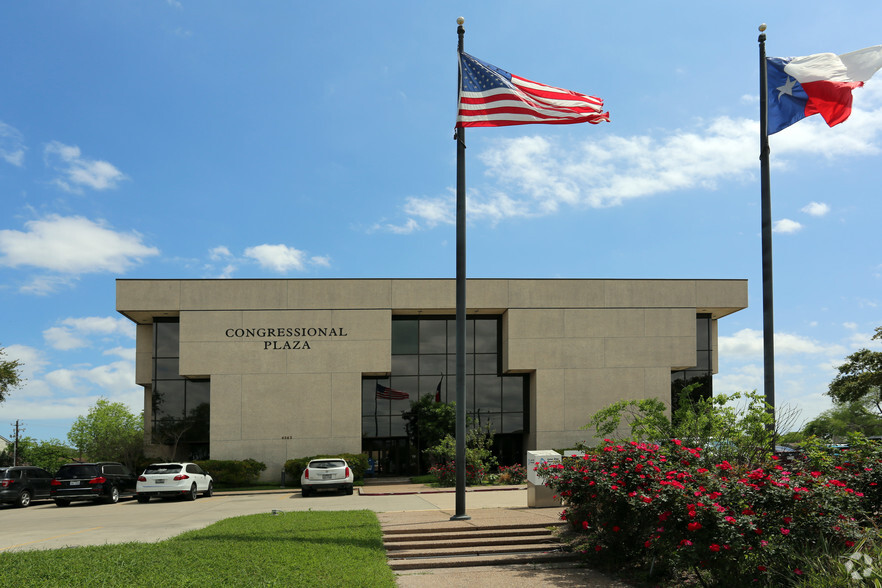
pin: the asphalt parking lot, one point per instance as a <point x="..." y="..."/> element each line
<point x="46" y="526"/>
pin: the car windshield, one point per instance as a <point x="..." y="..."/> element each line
<point x="323" y="465"/>
<point x="77" y="471"/>
<point x="163" y="468"/>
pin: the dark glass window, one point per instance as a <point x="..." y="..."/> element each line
<point x="433" y="336"/>
<point x="424" y="355"/>
<point x="405" y="337"/>
<point x="405" y="364"/>
<point x="166" y="338"/>
<point x="166" y="368"/>
<point x="485" y="335"/>
<point x="433" y="364"/>
<point x="181" y="407"/>
<point x="702" y="373"/>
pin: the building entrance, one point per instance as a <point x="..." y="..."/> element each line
<point x="391" y="456"/>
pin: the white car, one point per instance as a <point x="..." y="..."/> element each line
<point x="326" y="474"/>
<point x="173" y="479"/>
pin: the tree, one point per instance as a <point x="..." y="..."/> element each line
<point x="49" y="455"/>
<point x="860" y="378"/>
<point x="478" y="455"/>
<point x="428" y="423"/>
<point x="835" y="424"/>
<point x="109" y="433"/>
<point x="739" y="427"/>
<point x="10" y="375"/>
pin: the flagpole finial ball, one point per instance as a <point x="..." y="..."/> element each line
<point x="460" y="20"/>
<point x="762" y="28"/>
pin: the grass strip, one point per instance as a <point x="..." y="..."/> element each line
<point x="339" y="548"/>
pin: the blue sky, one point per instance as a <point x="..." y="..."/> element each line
<point x="179" y="139"/>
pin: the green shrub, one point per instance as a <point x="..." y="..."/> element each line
<point x="479" y="457"/>
<point x="358" y="462"/>
<point x="233" y="472"/>
<point x="254" y="468"/>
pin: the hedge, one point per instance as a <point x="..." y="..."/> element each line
<point x="357" y="461"/>
<point x="233" y="472"/>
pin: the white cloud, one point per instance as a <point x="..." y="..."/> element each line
<point x="279" y="258"/>
<point x="12" y="148"/>
<point x="786" y="343"/>
<point x="865" y="341"/>
<point x="816" y="208"/>
<point x="61" y="338"/>
<point x="74" y="332"/>
<point x="804" y="368"/>
<point x="432" y="211"/>
<point x="77" y="171"/>
<point x="72" y="245"/>
<point x="31" y="359"/>
<point x="786" y="226"/>
<point x="856" y="136"/>
<point x="103" y="325"/>
<point x="54" y="392"/>
<point x="219" y="252"/>
<point x="409" y="226"/>
<point x="42" y="285"/>
<point x="127" y="353"/>
<point x="748" y="344"/>
<point x="68" y="392"/>
<point x="538" y="176"/>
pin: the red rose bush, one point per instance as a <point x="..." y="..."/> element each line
<point x="671" y="509"/>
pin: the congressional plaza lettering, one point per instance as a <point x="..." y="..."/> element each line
<point x="286" y="337"/>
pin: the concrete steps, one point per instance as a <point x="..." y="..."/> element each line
<point x="458" y="546"/>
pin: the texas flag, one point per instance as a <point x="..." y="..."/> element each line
<point x="817" y="84"/>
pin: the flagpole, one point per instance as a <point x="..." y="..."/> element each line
<point x="768" y="312"/>
<point x="460" y="302"/>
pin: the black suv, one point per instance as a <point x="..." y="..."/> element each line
<point x="22" y="484"/>
<point x="102" y="482"/>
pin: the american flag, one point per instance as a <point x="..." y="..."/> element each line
<point x="492" y="97"/>
<point x="390" y="394"/>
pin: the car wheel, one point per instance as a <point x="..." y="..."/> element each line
<point x="304" y="492"/>
<point x="113" y="497"/>
<point x="349" y="491"/>
<point x="143" y="499"/>
<point x="209" y="491"/>
<point x="24" y="499"/>
<point x="191" y="495"/>
<point x="60" y="502"/>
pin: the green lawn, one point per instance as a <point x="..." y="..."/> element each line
<point x="288" y="549"/>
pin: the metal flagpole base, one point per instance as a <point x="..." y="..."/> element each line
<point x="460" y="517"/>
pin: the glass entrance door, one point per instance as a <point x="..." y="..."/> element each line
<point x="391" y="455"/>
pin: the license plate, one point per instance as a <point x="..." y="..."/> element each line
<point x="160" y="481"/>
<point x="74" y="482"/>
<point x="327" y="476"/>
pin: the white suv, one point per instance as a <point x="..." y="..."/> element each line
<point x="166" y="480"/>
<point x="326" y="474"/>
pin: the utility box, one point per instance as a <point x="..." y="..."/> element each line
<point x="538" y="495"/>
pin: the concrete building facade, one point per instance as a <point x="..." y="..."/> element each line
<point x="277" y="369"/>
